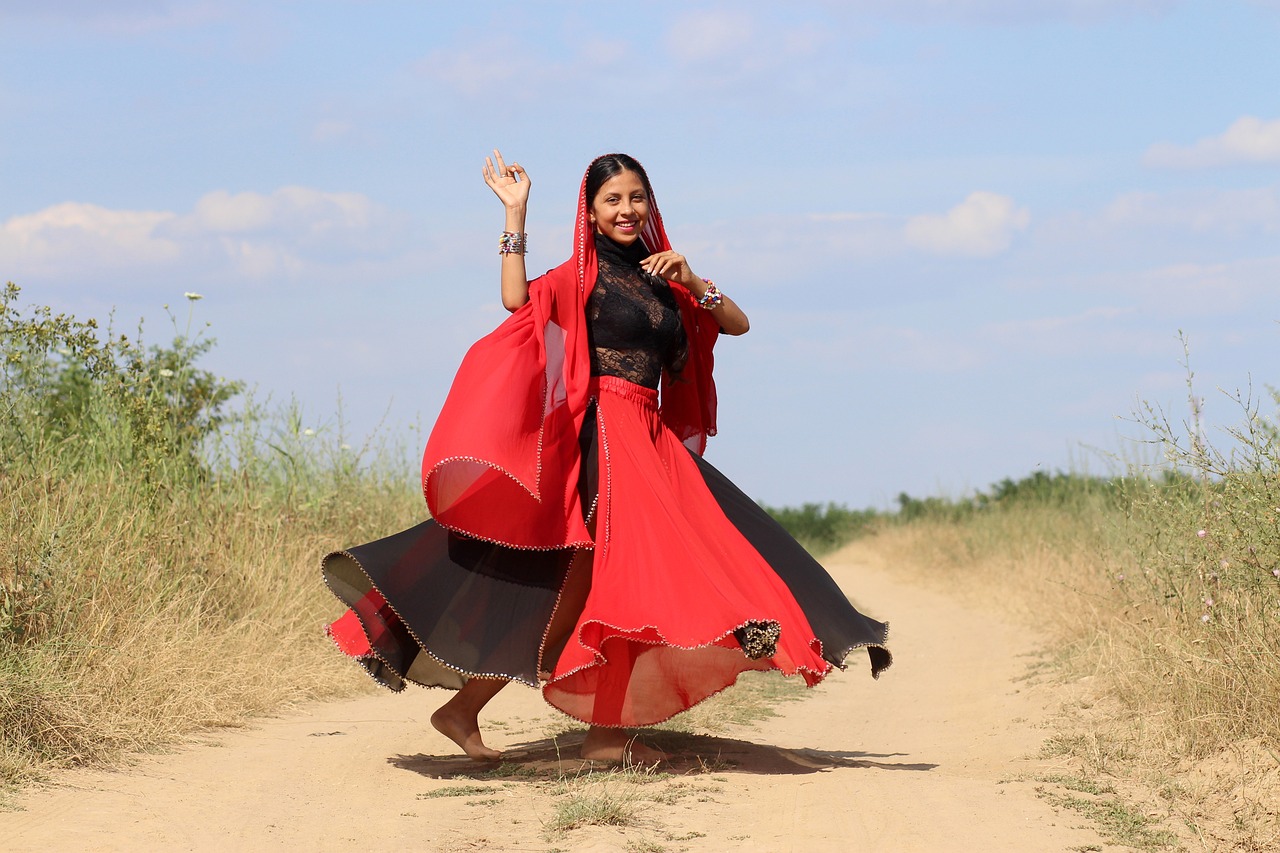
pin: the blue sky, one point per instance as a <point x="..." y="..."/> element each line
<point x="967" y="232"/>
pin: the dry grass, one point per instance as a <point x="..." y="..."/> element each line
<point x="159" y="556"/>
<point x="1179" y="707"/>
<point x="146" y="615"/>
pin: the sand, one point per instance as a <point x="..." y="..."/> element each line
<point x="937" y="755"/>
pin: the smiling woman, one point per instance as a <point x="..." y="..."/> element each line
<point x="578" y="540"/>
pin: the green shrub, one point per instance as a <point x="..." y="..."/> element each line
<point x="159" y="548"/>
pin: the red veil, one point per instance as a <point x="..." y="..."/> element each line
<point x="503" y="459"/>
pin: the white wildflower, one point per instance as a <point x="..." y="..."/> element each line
<point x="166" y="372"/>
<point x="193" y="296"/>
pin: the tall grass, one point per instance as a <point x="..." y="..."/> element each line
<point x="158" y="545"/>
<point x="1202" y="567"/>
<point x="1164" y="584"/>
<point x="1169" y="575"/>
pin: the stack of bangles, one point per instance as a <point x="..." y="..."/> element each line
<point x="512" y="243"/>
<point x="712" y="297"/>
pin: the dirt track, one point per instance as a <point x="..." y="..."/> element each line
<point x="935" y="756"/>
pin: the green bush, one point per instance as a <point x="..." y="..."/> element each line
<point x="159" y="547"/>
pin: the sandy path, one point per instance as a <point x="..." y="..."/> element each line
<point x="926" y="759"/>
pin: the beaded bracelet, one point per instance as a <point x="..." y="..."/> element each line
<point x="712" y="297"/>
<point x="512" y="243"/>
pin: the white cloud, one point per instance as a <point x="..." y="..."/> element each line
<point x="780" y="247"/>
<point x="1249" y="139"/>
<point x="982" y="225"/>
<point x="289" y="233"/>
<point x="72" y="235"/>
<point x="300" y="212"/>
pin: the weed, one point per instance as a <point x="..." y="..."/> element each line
<point x="1116" y="821"/>
<point x="455" y="791"/>
<point x="644" y="845"/>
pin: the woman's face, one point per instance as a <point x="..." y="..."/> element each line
<point x="621" y="208"/>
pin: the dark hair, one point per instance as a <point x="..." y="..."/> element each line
<point x="610" y="166"/>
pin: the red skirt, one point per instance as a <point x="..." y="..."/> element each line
<point x="692" y="583"/>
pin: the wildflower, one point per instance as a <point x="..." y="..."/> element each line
<point x="1120" y="576"/>
<point x="63" y="351"/>
<point x="166" y="372"/>
<point x="308" y="431"/>
<point x="1276" y="572"/>
<point x="1208" y="602"/>
<point x="1202" y="533"/>
<point x="194" y="297"/>
<point x="346" y="447"/>
<point x="1205" y="618"/>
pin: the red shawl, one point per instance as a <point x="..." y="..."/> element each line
<point x="503" y="458"/>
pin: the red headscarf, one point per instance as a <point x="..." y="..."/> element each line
<point x="503" y="458"/>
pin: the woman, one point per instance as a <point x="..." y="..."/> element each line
<point x="578" y="538"/>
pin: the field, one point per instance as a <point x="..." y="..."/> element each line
<point x="161" y="531"/>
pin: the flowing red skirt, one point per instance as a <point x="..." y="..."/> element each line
<point x="692" y="584"/>
<point x="672" y="581"/>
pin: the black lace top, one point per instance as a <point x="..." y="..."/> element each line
<point x="633" y="322"/>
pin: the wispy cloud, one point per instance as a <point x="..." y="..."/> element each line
<point x="118" y="17"/>
<point x="839" y="341"/>
<point x="1009" y="11"/>
<point x="1112" y="330"/>
<point x="1169" y="295"/>
<point x="486" y="66"/>
<point x="1224" y="212"/>
<point x="1248" y="140"/>
<point x="736" y="52"/>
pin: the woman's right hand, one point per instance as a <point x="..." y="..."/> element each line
<point x="509" y="183"/>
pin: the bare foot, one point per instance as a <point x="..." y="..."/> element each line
<point x="603" y="744"/>
<point x="464" y="730"/>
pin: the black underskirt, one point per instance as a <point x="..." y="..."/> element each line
<point x="446" y="607"/>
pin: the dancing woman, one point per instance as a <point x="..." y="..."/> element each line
<point x="578" y="540"/>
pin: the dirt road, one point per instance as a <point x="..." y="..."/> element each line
<point x="937" y="756"/>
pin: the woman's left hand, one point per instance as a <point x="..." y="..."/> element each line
<point x="672" y="266"/>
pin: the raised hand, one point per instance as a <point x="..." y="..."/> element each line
<point x="509" y="183"/>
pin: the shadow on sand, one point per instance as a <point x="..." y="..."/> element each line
<point x="557" y="756"/>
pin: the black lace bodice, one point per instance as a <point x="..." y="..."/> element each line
<point x="633" y="322"/>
